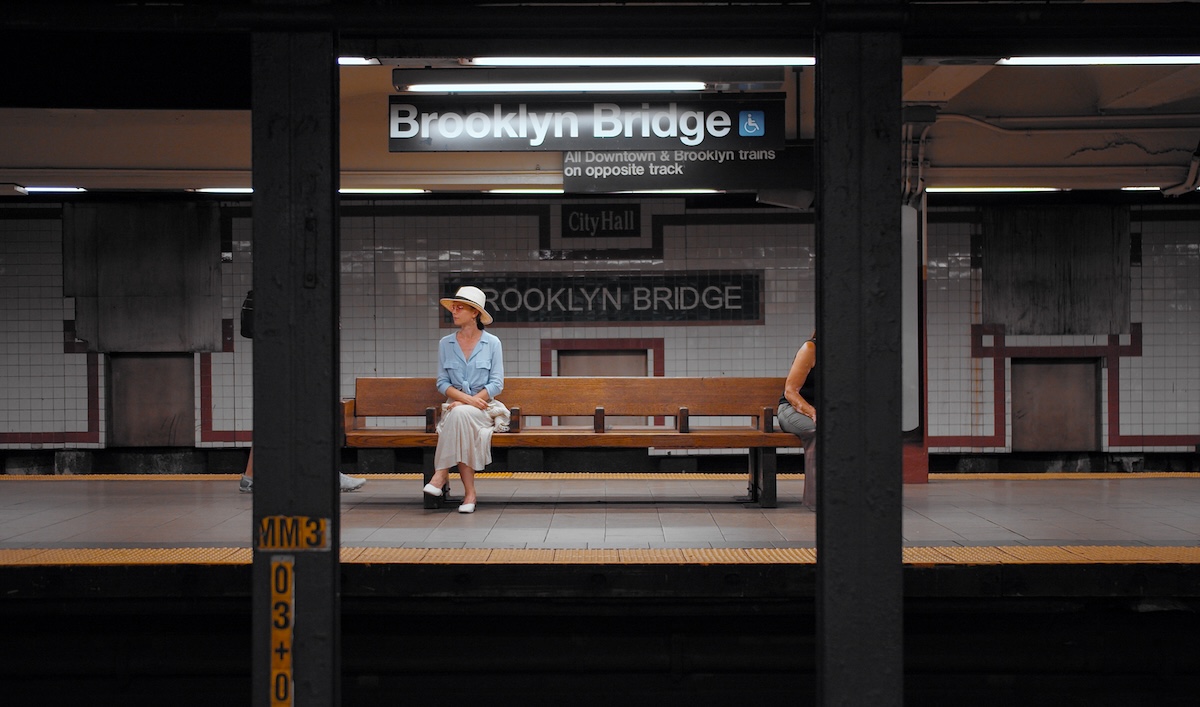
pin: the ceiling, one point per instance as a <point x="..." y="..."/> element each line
<point x="94" y="112"/>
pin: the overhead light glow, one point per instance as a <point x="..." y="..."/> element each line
<point x="671" y="191"/>
<point x="55" y="190"/>
<point x="1097" y="60"/>
<point x="226" y="190"/>
<point x="357" y="61"/>
<point x="1141" y="188"/>
<point x="987" y="190"/>
<point x="642" y="61"/>
<point x="383" y="190"/>
<point x="574" y="86"/>
<point x="524" y="191"/>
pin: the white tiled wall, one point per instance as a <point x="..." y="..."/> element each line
<point x="390" y="318"/>
<point x="44" y="389"/>
<point x="1159" y="390"/>
<point x="232" y="382"/>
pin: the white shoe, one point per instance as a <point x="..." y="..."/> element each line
<point x="431" y="490"/>
<point x="350" y="483"/>
<point x="466" y="508"/>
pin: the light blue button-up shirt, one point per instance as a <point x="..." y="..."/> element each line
<point x="484" y="368"/>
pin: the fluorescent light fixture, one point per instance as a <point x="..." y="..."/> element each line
<point x="671" y="191"/>
<point x="1141" y="188"/>
<point x="357" y="61"/>
<point x="1097" y="60"/>
<point x="987" y="190"/>
<point x="580" y="79"/>
<point x="384" y="190"/>
<point x="642" y="61"/>
<point x="558" y="87"/>
<point x="524" y="191"/>
<point x="55" y="190"/>
<point x="226" y="190"/>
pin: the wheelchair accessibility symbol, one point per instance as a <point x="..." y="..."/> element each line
<point x="751" y="123"/>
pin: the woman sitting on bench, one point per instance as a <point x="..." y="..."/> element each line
<point x="470" y="375"/>
<point x="797" y="414"/>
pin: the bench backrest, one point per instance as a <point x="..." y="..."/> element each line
<point x="554" y="396"/>
<point x="395" y="397"/>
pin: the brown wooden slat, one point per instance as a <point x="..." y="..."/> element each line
<point x="386" y="437"/>
<point x="553" y="396"/>
<point x="395" y="397"/>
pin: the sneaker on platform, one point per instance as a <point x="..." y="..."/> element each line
<point x="246" y="485"/>
<point x="351" y="483"/>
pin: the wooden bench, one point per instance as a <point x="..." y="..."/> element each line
<point x="746" y="404"/>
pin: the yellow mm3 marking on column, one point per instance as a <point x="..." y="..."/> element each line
<point x="293" y="533"/>
<point x="283" y="621"/>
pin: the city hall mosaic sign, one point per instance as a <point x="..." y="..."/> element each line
<point x="717" y="297"/>
<point x="601" y="221"/>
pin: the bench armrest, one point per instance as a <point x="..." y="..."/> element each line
<point x="431" y="419"/>
<point x="598" y="421"/>
<point x="349" y="421"/>
<point x="768" y="420"/>
<point x="514" y="419"/>
<point x="681" y="421"/>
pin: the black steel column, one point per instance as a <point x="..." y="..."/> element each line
<point x="859" y="589"/>
<point x="297" y="636"/>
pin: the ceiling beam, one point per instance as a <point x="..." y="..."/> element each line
<point x="1175" y="86"/>
<point x="942" y="83"/>
<point x="459" y="28"/>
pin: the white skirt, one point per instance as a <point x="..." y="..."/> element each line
<point x="464" y="435"/>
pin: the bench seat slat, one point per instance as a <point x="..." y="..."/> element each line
<point x="576" y="437"/>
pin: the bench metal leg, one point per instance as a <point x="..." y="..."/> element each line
<point x="767" y="466"/>
<point x="761" y="488"/>
<point x="753" y="478"/>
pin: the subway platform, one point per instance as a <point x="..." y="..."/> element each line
<point x="956" y="515"/>
<point x="644" y="588"/>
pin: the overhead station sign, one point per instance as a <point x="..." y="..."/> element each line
<point x="504" y="123"/>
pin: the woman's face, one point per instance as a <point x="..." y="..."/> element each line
<point x="462" y="313"/>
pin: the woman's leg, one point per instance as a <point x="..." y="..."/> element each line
<point x="440" y="477"/>
<point x="790" y="420"/>
<point x="467" y="474"/>
<point x="459" y="444"/>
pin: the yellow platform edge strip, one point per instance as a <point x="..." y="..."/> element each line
<point x="912" y="556"/>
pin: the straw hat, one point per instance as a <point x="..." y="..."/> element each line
<point x="472" y="297"/>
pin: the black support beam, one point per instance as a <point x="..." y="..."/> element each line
<point x="859" y="588"/>
<point x="296" y="612"/>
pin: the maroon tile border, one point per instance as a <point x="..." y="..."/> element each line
<point x="656" y="347"/>
<point x="1112" y="351"/>
<point x="207" y="433"/>
<point x="89" y="436"/>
